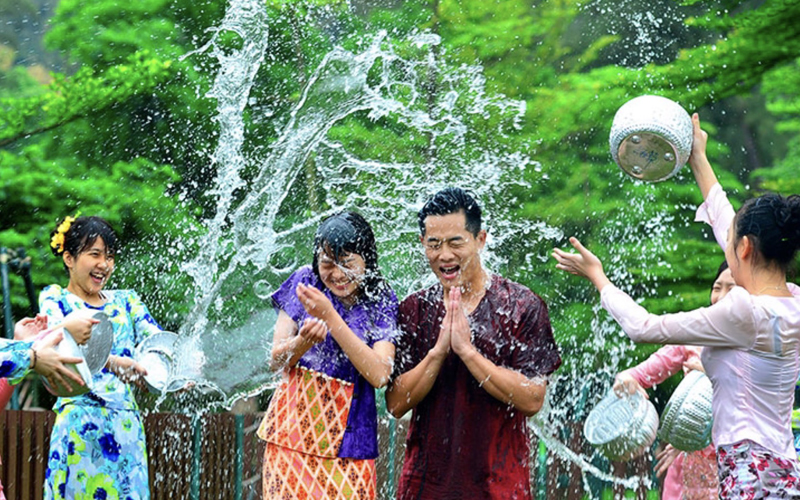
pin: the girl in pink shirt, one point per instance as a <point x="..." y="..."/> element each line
<point x="689" y="475"/>
<point x="751" y="337"/>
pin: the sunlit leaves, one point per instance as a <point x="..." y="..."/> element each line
<point x="79" y="96"/>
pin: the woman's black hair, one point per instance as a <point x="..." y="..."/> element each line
<point x="772" y="223"/>
<point x="722" y="268"/>
<point x="82" y="234"/>
<point x="345" y="233"/>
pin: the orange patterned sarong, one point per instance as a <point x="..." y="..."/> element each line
<point x="304" y="427"/>
<point x="290" y="475"/>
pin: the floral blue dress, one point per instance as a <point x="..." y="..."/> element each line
<point x="97" y="449"/>
<point x="15" y="359"/>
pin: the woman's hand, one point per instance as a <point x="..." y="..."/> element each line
<point x="27" y="328"/>
<point x="694" y="363"/>
<point x="313" y="331"/>
<point x="699" y="141"/>
<point x="79" y="325"/>
<point x="584" y="264"/>
<point x="626" y="384"/>
<point x="315" y="302"/>
<point x="127" y="369"/>
<point x="50" y="364"/>
<point x="664" y="459"/>
<point x="698" y="162"/>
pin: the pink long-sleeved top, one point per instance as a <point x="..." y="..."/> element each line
<point x="751" y="353"/>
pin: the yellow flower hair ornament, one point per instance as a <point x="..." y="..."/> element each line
<point x="57" y="241"/>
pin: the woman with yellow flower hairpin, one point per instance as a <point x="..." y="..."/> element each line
<point x="97" y="449"/>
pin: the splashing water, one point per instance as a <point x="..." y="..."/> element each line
<point x="254" y="240"/>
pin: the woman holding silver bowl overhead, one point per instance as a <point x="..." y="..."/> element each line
<point x="97" y="448"/>
<point x="751" y="337"/>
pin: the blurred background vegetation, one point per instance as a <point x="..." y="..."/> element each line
<point x="100" y="113"/>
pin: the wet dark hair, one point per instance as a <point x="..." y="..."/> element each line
<point x="449" y="201"/>
<point x="82" y="234"/>
<point x="772" y="223"/>
<point x="345" y="233"/>
<point x="720" y="270"/>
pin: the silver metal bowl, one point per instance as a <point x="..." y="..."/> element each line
<point x="97" y="349"/>
<point x="687" y="419"/>
<point x="157" y="354"/>
<point x="94" y="353"/>
<point x="651" y="138"/>
<point x="621" y="428"/>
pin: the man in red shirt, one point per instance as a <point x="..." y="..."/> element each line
<point x="471" y="363"/>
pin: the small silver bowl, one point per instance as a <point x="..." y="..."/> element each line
<point x="156" y="354"/>
<point x="687" y="419"/>
<point x="651" y="138"/>
<point x="621" y="428"/>
<point x="94" y="354"/>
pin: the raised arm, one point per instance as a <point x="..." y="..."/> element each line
<point x="659" y="366"/>
<point x="698" y="162"/>
<point x="728" y="323"/>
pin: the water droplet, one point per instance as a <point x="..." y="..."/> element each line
<point x="262" y="289"/>
<point x="636" y="139"/>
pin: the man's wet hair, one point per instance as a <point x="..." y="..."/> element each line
<point x="452" y="200"/>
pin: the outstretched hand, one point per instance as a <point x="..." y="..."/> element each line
<point x="127" y="369"/>
<point x="28" y="328"/>
<point x="50" y="364"/>
<point x="584" y="264"/>
<point x="626" y="384"/>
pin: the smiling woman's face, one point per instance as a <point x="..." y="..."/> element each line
<point x="90" y="270"/>
<point x="343" y="277"/>
<point x="722" y="285"/>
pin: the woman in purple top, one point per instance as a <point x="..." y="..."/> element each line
<point x="334" y="340"/>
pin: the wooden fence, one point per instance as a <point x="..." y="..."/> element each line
<point x="215" y="457"/>
<point x="218" y="457"/>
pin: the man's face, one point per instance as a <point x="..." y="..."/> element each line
<point x="453" y="252"/>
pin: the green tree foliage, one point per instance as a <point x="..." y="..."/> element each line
<point x="134" y="114"/>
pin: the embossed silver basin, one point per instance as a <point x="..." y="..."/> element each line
<point x="651" y="138"/>
<point x="687" y="419"/>
<point x="621" y="428"/>
<point x="157" y="354"/>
